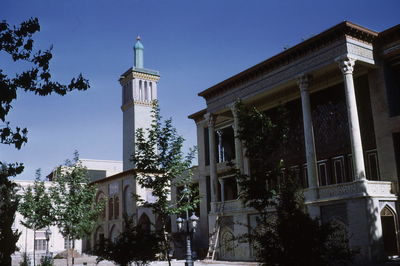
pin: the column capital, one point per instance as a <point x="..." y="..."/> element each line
<point x="303" y="81"/>
<point x="210" y="119"/>
<point x="346" y="64"/>
<point x="233" y="107"/>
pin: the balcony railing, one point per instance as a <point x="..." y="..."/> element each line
<point x="356" y="189"/>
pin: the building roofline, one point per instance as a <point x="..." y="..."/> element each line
<point x="341" y="29"/>
<point x="140" y="70"/>
<point x="118" y="175"/>
<point x="100" y="160"/>
<point x="198" y="115"/>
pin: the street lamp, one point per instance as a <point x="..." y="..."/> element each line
<point x="47" y="234"/>
<point x="189" y="229"/>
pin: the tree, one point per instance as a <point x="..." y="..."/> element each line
<point x="288" y="236"/>
<point x="133" y="245"/>
<point x="36" y="208"/>
<point x="8" y="206"/>
<point x="159" y="162"/>
<point x="75" y="210"/>
<point x="17" y="42"/>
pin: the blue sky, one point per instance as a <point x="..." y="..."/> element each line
<point x="194" y="45"/>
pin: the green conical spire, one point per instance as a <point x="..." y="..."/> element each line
<point x="139" y="50"/>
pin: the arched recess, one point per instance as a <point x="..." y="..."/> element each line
<point x="128" y="201"/>
<point x="227" y="244"/>
<point x="98" y="235"/>
<point x="159" y="223"/>
<point x="144" y="222"/>
<point x="101" y="197"/>
<point x="389" y="231"/>
<point x="116" y="207"/>
<point x="113" y="233"/>
<point x="110" y="208"/>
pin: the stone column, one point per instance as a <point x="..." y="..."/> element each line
<point x="213" y="163"/>
<point x="238" y="143"/>
<point x="346" y="65"/>
<point x="312" y="173"/>
<point x="221" y="155"/>
<point x="222" y="182"/>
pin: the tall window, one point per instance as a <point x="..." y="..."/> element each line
<point x="140" y="91"/>
<point x="40" y="244"/>
<point x="151" y="91"/>
<point x="68" y="243"/>
<point x="146" y="92"/>
<point x="110" y="209"/>
<point x="116" y="207"/>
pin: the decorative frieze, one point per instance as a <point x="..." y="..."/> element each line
<point x="356" y="189"/>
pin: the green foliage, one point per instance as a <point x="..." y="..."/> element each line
<point x="8" y="206"/>
<point x="26" y="261"/>
<point x="36" y="206"/>
<point x="289" y="236"/>
<point x="46" y="261"/>
<point x="17" y="42"/>
<point x="74" y="209"/>
<point x="160" y="162"/>
<point x="134" y="245"/>
<point x="257" y="129"/>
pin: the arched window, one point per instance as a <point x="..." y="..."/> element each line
<point x="110" y="209"/>
<point x="140" y="91"/>
<point x="113" y="233"/>
<point x="151" y="91"/>
<point x="116" y="207"/>
<point x="128" y="201"/>
<point x="100" y="198"/>
<point x="146" y="92"/>
<point x="144" y="223"/>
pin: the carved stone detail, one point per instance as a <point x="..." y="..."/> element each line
<point x="210" y="118"/>
<point x="303" y="81"/>
<point x="353" y="189"/>
<point x="346" y="65"/>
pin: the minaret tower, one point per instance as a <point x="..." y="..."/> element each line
<point x="139" y="90"/>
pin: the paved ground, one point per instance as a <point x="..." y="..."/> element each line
<point x="91" y="261"/>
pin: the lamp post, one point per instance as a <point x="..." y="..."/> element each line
<point x="47" y="234"/>
<point x="188" y="226"/>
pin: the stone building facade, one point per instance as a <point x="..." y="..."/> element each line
<point x="342" y="90"/>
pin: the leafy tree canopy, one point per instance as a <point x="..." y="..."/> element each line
<point x="160" y="162"/>
<point x="75" y="210"/>
<point x="17" y="42"/>
<point x="36" y="206"/>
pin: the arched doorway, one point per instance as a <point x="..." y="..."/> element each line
<point x="227" y="245"/>
<point x="389" y="231"/>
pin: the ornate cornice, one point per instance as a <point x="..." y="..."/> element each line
<point x="340" y="31"/>
<point x="133" y="73"/>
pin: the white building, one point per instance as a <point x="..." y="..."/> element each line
<point x="26" y="241"/>
<point x="342" y="90"/>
